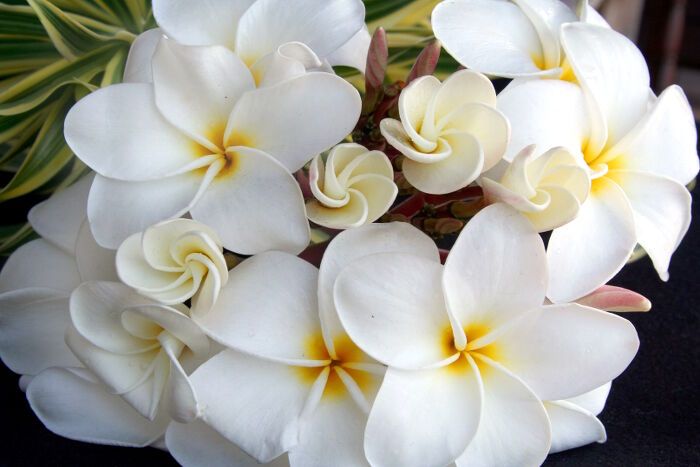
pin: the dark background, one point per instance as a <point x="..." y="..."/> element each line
<point x="652" y="416"/>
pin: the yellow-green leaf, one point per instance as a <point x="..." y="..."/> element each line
<point x="47" y="156"/>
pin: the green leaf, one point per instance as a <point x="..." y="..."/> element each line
<point x="35" y="88"/>
<point x="14" y="236"/>
<point x="71" y="38"/>
<point x="20" y="22"/>
<point x="47" y="156"/>
<point x="21" y="55"/>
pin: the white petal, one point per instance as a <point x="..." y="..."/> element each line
<point x="353" y="214"/>
<point x="593" y="401"/>
<point x="39" y="264"/>
<point x="252" y="402"/>
<point x="547" y="113"/>
<point x="664" y="142"/>
<point x="119" y="133"/>
<point x="197" y="445"/>
<point x="200" y="22"/>
<point x="547" y="17"/>
<point x="59" y="218"/>
<point x="414" y="102"/>
<point x="496" y="270"/>
<point x="96" y="309"/>
<point x="139" y="378"/>
<point x="424" y="418"/>
<point x="573" y="426"/>
<point x="138" y="67"/>
<point x="256" y="206"/>
<point x="514" y="429"/>
<point x="613" y="72"/>
<point x="94" y="262"/>
<point x="118" y="209"/>
<point x="354" y="52"/>
<point x="352" y="244"/>
<point x="289" y="61"/>
<point x="662" y="211"/>
<point x="71" y="404"/>
<point x="325" y="109"/>
<point x="488" y="125"/>
<point x="562" y="351"/>
<point x="197" y="87"/>
<point x="323" y="25"/>
<point x="463" y="165"/>
<point x="332" y="436"/>
<point x="461" y="88"/>
<point x="268" y="309"/>
<point x="495" y="38"/>
<point x="411" y="145"/>
<point x="33" y="322"/>
<point x="588" y="251"/>
<point x="392" y="306"/>
<point x="379" y="191"/>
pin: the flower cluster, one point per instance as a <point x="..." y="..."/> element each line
<point x="233" y="283"/>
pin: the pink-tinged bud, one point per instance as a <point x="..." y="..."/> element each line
<point x="426" y="62"/>
<point x="616" y="299"/>
<point x="377" y="57"/>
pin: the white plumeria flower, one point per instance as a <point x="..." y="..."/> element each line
<point x="38" y="278"/>
<point x="354" y="187"/>
<point x="271" y="35"/>
<point x="511" y="39"/>
<point x="640" y="151"/>
<point x="292" y="362"/>
<point x="547" y="189"/>
<point x="202" y="139"/>
<point x="449" y="132"/>
<point x="140" y="349"/>
<point x="174" y="261"/>
<point x="471" y="350"/>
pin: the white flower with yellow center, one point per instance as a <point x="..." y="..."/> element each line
<point x="471" y="350"/>
<point x="277" y="39"/>
<point x="639" y="149"/>
<point x="449" y="132"/>
<point x="353" y="187"/>
<point x="547" y="189"/>
<point x="511" y="39"/>
<point x="201" y="139"/>
<point x="138" y="348"/>
<point x="174" y="261"/>
<point x="292" y="380"/>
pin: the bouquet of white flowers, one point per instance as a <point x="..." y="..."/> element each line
<point x="263" y="267"/>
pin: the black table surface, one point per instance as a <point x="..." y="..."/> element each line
<point x="651" y="417"/>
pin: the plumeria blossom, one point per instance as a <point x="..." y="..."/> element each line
<point x="511" y="39"/>
<point x="270" y="35"/>
<point x="137" y="347"/>
<point x="174" y="261"/>
<point x="37" y="280"/>
<point x="201" y="139"/>
<point x="449" y="132"/>
<point x="639" y="149"/>
<point x="289" y="359"/>
<point x="548" y="189"/>
<point x="353" y="187"/>
<point x="471" y="350"/>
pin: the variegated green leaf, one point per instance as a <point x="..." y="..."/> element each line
<point x="14" y="236"/>
<point x="47" y="156"/>
<point x="70" y="37"/>
<point x="38" y="86"/>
